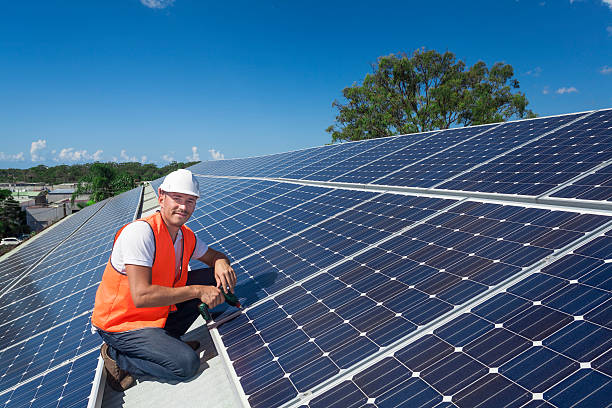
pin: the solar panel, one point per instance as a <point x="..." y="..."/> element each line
<point x="371" y="272"/>
<point x="48" y="354"/>
<point x="393" y="169"/>
<point x="328" y="323"/>
<point x="542" y="341"/>
<point x="371" y="151"/>
<point x="19" y="261"/>
<point x="595" y="186"/>
<point x="354" y="298"/>
<point x="469" y="153"/>
<point x="545" y="163"/>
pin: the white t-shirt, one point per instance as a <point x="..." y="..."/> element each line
<point x="136" y="246"/>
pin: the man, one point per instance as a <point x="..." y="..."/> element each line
<point x="147" y="300"/>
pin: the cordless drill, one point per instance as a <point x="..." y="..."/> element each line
<point x="230" y="299"/>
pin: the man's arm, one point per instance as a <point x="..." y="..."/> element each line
<point x="145" y="294"/>
<point x="224" y="273"/>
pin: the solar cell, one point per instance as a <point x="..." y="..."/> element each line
<point x="48" y="354"/>
<point x="446" y="164"/>
<point x="595" y="186"/>
<point x="379" y="296"/>
<point x="411" y="153"/>
<point x="371" y="150"/>
<point x="545" y="163"/>
<point x="348" y="151"/>
<point x="23" y="257"/>
<point x="540" y="342"/>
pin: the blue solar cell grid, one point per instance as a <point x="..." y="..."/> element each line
<point x="412" y="153"/>
<point x="19" y="261"/>
<point x="596" y="186"/>
<point x="371" y="151"/>
<point x="332" y="321"/>
<point x="457" y="159"/>
<point x="299" y="159"/>
<point x="216" y="219"/>
<point x="45" y="317"/>
<point x="547" y="340"/>
<point x="267" y="166"/>
<point x="350" y="150"/>
<point x="340" y="232"/>
<point x="545" y="163"/>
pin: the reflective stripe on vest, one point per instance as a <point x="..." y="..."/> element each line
<point x="114" y="309"/>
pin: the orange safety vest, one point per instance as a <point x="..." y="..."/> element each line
<point x="114" y="310"/>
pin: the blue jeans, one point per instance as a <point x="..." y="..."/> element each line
<point x="158" y="353"/>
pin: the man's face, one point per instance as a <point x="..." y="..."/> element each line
<point x="176" y="207"/>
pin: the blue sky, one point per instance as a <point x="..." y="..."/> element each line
<point x="156" y="80"/>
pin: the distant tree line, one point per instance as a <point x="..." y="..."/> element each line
<point x="74" y="173"/>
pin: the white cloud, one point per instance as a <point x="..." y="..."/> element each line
<point x="607" y="3"/>
<point x="35" y="147"/>
<point x="605" y="70"/>
<point x="157" y="4"/>
<point x="534" y="72"/>
<point x="125" y="157"/>
<point x="12" y="157"/>
<point x="73" y="155"/>
<point x="216" y="155"/>
<point x="564" y="90"/>
<point x="168" y="158"/>
<point x="195" y="156"/>
<point x="545" y="91"/>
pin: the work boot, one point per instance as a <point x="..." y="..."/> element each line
<point x="118" y="379"/>
<point x="193" y="344"/>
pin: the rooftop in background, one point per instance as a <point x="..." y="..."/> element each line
<point x="62" y="191"/>
<point x="27" y="194"/>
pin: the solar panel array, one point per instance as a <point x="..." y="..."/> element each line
<point x="48" y="355"/>
<point x="417" y="270"/>
<point x="545" y="341"/>
<point x="341" y="281"/>
<point x="18" y="262"/>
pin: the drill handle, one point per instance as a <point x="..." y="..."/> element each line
<point x="203" y="308"/>
<point x="230" y="298"/>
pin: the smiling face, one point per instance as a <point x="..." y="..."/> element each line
<point x="176" y="208"/>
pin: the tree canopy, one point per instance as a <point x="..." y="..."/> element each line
<point x="427" y="91"/>
<point x="12" y="219"/>
<point x="104" y="180"/>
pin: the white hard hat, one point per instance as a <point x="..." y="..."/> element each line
<point x="181" y="181"/>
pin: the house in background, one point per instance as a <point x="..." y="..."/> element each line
<point x="30" y="198"/>
<point x="41" y="216"/>
<point x="45" y="204"/>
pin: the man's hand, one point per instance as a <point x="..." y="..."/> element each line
<point x="224" y="275"/>
<point x="210" y="295"/>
